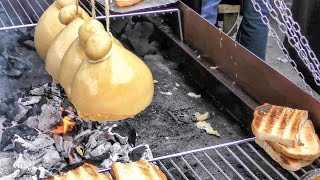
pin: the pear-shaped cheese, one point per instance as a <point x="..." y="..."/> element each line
<point x="49" y="26"/>
<point x="63" y="40"/>
<point x="75" y="54"/>
<point x="111" y="83"/>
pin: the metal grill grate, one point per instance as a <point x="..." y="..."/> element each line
<point x="236" y="160"/>
<point x="16" y="14"/>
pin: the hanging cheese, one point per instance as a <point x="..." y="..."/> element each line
<point x="75" y="54"/>
<point x="111" y="83"/>
<point x="73" y="19"/>
<point x="49" y="26"/>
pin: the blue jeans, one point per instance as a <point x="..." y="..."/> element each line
<point x="252" y="33"/>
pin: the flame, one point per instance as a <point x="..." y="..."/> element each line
<point x="67" y="125"/>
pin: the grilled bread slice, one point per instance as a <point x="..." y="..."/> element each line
<point x="310" y="149"/>
<point x="124" y="3"/>
<point x="285" y="162"/>
<point x="139" y="170"/>
<point x="84" y="172"/>
<point x="278" y="124"/>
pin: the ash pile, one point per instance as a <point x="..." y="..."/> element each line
<point x="56" y="140"/>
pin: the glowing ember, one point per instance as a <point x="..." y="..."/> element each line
<point x="67" y="125"/>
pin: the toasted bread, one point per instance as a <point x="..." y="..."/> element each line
<point x="124" y="3"/>
<point x="278" y="124"/>
<point x="310" y="149"/>
<point x="139" y="170"/>
<point x="84" y="172"/>
<point x="285" y="162"/>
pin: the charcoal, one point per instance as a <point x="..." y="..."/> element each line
<point x="40" y="142"/>
<point x="124" y="133"/>
<point x="13" y="73"/>
<point x="101" y="149"/>
<point x="29" y="44"/>
<point x="140" y="152"/>
<point x="32" y="122"/>
<point x="22" y="111"/>
<point x="51" y="158"/>
<point x="58" y="141"/>
<point x="49" y="115"/>
<point x="6" y="163"/>
<point x="139" y="35"/>
<point x="3" y="62"/>
<point x="25" y="162"/>
<point x="24" y="131"/>
<point x="30" y="100"/>
<point x="155" y="57"/>
<point x="14" y="175"/>
<point x="118" y="25"/>
<point x="41" y="173"/>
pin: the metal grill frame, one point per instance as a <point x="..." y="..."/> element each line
<point x="15" y="14"/>
<point x="255" y="164"/>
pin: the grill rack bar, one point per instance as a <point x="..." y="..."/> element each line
<point x="15" y="14"/>
<point x="241" y="159"/>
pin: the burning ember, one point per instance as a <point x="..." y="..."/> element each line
<point x="67" y="126"/>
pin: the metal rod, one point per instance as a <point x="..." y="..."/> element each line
<point x="203" y="167"/>
<point x="190" y="168"/>
<point x="85" y="7"/>
<point x="216" y="166"/>
<point x="33" y="9"/>
<point x="40" y="6"/>
<point x="5" y="11"/>
<point x="267" y="162"/>
<point x="252" y="161"/>
<point x="25" y="12"/>
<point x="177" y="167"/>
<point x="100" y="13"/>
<point x="203" y="149"/>
<point x="229" y="165"/>
<point x="14" y="10"/>
<point x="242" y="164"/>
<point x="18" y="26"/>
<point x="165" y="169"/>
<point x="47" y="2"/>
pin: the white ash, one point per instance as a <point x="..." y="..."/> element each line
<point x="32" y="122"/>
<point x="99" y="150"/>
<point x="30" y="100"/>
<point x="40" y="142"/>
<point x="58" y="141"/>
<point x="25" y="162"/>
<point x="22" y="112"/>
<point x="12" y="176"/>
<point x="51" y="158"/>
<point x="6" y="163"/>
<point x="2" y="120"/>
<point x="48" y="116"/>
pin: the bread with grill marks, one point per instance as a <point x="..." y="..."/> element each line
<point x="278" y="124"/>
<point x="309" y="148"/>
<point x="285" y="162"/>
<point x="84" y="172"/>
<point x="125" y="3"/>
<point x="139" y="170"/>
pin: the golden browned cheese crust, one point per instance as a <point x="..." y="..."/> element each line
<point x="124" y="3"/>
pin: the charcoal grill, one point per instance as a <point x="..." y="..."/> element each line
<point x="240" y="82"/>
